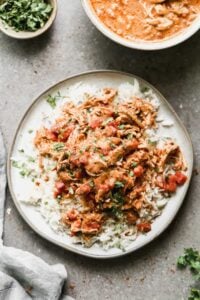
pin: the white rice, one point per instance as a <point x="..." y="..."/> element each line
<point x="113" y="235"/>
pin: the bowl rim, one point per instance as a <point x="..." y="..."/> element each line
<point x="139" y="44"/>
<point x="24" y="35"/>
<point x="68" y="247"/>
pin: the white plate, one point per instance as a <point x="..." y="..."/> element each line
<point x="32" y="120"/>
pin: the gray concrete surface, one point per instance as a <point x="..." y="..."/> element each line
<point x="74" y="45"/>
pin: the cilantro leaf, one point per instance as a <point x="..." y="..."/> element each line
<point x="25" y="15"/>
<point x="191" y="258"/>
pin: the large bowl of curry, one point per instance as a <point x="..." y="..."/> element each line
<point x="145" y="24"/>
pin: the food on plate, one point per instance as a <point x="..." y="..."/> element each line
<point x="107" y="170"/>
<point x="148" y="20"/>
<point x="25" y="15"/>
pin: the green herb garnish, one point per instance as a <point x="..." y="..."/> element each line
<point x="30" y="131"/>
<point x="153" y="143"/>
<point x="31" y="159"/>
<point x="102" y="156"/>
<point x="134" y="164"/>
<point x="121" y="126"/>
<point x="58" y="146"/>
<point x="24" y="170"/>
<point x="25" y="15"/>
<point x="145" y="89"/>
<point x="21" y="150"/>
<point x="131" y="173"/>
<point x="115" y="212"/>
<point x="52" y="100"/>
<point x="194" y="294"/>
<point x="16" y="164"/>
<point x="191" y="258"/>
<point x="119" y="184"/>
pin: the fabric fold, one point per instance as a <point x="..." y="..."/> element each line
<point x="24" y="276"/>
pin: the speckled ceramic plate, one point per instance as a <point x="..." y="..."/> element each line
<point x="32" y="119"/>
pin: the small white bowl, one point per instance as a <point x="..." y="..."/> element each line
<point x="23" y="35"/>
<point x="139" y="44"/>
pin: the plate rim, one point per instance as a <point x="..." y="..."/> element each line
<point x="68" y="247"/>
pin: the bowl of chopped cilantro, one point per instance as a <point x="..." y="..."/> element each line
<point x="25" y="19"/>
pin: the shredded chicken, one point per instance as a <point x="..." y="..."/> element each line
<point x="105" y="162"/>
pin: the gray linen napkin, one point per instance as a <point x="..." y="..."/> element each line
<point x="24" y="276"/>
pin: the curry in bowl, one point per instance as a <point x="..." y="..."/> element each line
<point x="148" y="20"/>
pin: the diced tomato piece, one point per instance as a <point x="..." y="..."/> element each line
<point x="172" y="178"/>
<point x="51" y="135"/>
<point x="144" y="227"/>
<point x="180" y="178"/>
<point x="72" y="214"/>
<point x="95" y="123"/>
<point x="113" y="123"/>
<point x="111" y="131"/>
<point x="105" y="150"/>
<point x="84" y="189"/>
<point x="74" y="160"/>
<point x="59" y="187"/>
<point x="138" y="171"/>
<point x="66" y="133"/>
<point x="170" y="187"/>
<point x="132" y="145"/>
<point x="105" y="187"/>
<point x="78" y="174"/>
<point x="84" y="158"/>
<point x="109" y="113"/>
<point x="76" y="226"/>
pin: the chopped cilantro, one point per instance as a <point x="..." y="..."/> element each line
<point x="21" y="150"/>
<point x="25" y="15"/>
<point x="24" y="170"/>
<point x="131" y="173"/>
<point x="191" y="258"/>
<point x="58" y="146"/>
<point x="134" y="164"/>
<point x="102" y="156"/>
<point x="121" y="126"/>
<point x="117" y="196"/>
<point x="30" y="131"/>
<point x="153" y="143"/>
<point x="15" y="164"/>
<point x="119" y="184"/>
<point x="53" y="99"/>
<point x="66" y="155"/>
<point x="31" y="159"/>
<point x="194" y="294"/>
<point x="115" y="212"/>
<point x="144" y="89"/>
